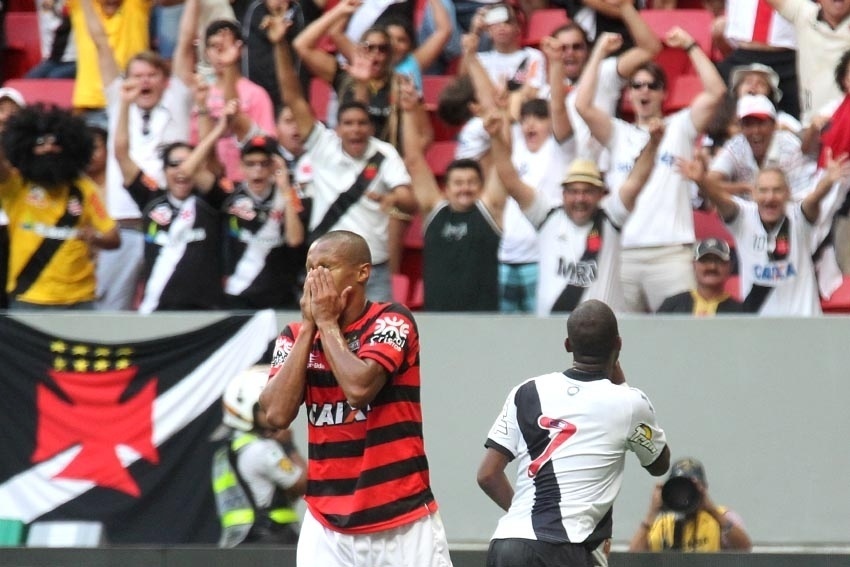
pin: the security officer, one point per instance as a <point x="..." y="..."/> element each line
<point x="257" y="476"/>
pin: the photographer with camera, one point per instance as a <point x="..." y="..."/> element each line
<point x="682" y="516"/>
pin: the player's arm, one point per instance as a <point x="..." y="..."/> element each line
<point x="359" y="378"/>
<point x="659" y="466"/>
<point x="284" y="393"/>
<point x="493" y="480"/>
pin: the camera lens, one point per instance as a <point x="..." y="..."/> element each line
<point x="680" y="494"/>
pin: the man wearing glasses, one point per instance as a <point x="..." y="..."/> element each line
<point x="658" y="238"/>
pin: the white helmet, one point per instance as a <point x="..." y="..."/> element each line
<point x="242" y="395"/>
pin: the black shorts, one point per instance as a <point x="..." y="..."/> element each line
<point x="530" y="553"/>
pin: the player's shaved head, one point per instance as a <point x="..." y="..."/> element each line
<point x="592" y="332"/>
<point x="348" y="245"/>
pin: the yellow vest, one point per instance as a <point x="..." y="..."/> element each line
<point x="700" y="533"/>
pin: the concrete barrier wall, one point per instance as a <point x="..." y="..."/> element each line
<point x="762" y="402"/>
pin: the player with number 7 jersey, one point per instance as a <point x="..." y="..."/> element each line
<point x="570" y="432"/>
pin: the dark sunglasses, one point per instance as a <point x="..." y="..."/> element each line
<point x="655" y="85"/>
<point x="376" y="47"/>
<point x="573" y="46"/>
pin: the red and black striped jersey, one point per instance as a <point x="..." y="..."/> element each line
<point x="367" y="469"/>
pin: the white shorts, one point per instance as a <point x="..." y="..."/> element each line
<point x="421" y="543"/>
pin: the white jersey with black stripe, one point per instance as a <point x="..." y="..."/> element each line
<point x="570" y="431"/>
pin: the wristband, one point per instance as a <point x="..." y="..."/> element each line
<point x="691" y="46"/>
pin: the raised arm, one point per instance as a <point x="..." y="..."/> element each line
<point x="647" y="44"/>
<point x="643" y="166"/>
<point x="522" y="193"/>
<point x="293" y="226"/>
<point x="485" y="91"/>
<point x="193" y="165"/>
<point x="129" y="170"/>
<point x="596" y="119"/>
<point x="231" y="57"/>
<point x="106" y="62"/>
<point x="425" y="186"/>
<point x="183" y="59"/>
<point x="705" y="105"/>
<point x="319" y="62"/>
<point x="287" y="78"/>
<point x="562" y="129"/>
<point x="344" y="45"/>
<point x="836" y="169"/>
<point x="710" y="185"/>
<point x="430" y="49"/>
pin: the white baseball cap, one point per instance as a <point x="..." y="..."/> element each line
<point x="14" y="95"/>
<point x="758" y="106"/>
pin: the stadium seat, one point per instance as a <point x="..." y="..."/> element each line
<point x="839" y="302"/>
<point x="23" y="46"/>
<point x="683" y="90"/>
<point x="400" y="288"/>
<point x="542" y="23"/>
<point x="417" y="300"/>
<point x="21" y="6"/>
<point x="439" y="155"/>
<point x="320" y="95"/>
<point x="12" y="532"/>
<point x="49" y="91"/>
<point x="432" y="86"/>
<point x="709" y="225"/>
<point x="697" y="23"/>
<point x="66" y="534"/>
<point x="733" y="287"/>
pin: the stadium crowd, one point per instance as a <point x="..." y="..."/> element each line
<point x="512" y="157"/>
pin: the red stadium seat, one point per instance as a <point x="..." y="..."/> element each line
<point x="676" y="62"/>
<point x="709" y="225"/>
<point x="432" y="86"/>
<point x="839" y="302"/>
<point x="23" y="46"/>
<point x="320" y="95"/>
<point x="439" y="155"/>
<point x="417" y="300"/>
<point x="49" y="91"/>
<point x="733" y="287"/>
<point x="21" y="6"/>
<point x="682" y="92"/>
<point x="401" y="288"/>
<point x="542" y="23"/>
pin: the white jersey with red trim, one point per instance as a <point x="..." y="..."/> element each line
<point x="571" y="431"/>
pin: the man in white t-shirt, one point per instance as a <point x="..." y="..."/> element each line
<point x="570" y="432"/>
<point x="159" y="115"/>
<point x="357" y="180"/>
<point x="773" y="239"/>
<point x="658" y="239"/>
